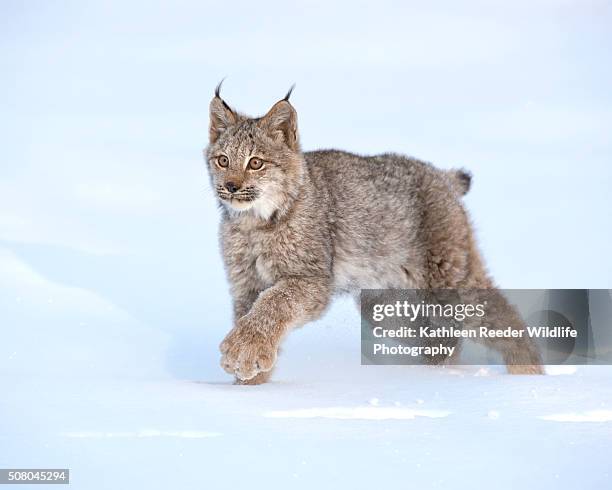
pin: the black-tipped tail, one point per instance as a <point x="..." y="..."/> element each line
<point x="463" y="181"/>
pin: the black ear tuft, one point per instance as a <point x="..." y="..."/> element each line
<point x="218" y="95"/>
<point x="221" y="115"/>
<point x="286" y="99"/>
<point x="218" y="88"/>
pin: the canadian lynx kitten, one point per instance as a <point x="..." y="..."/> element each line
<point x="297" y="228"/>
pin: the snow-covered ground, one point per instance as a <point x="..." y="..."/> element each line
<point x="124" y="405"/>
<point x="112" y="293"/>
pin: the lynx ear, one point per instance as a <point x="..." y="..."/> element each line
<point x="221" y="116"/>
<point x="281" y="122"/>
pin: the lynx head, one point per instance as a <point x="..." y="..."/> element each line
<point x="255" y="164"/>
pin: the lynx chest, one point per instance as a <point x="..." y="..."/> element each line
<point x="270" y="254"/>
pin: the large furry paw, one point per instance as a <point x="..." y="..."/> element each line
<point x="525" y="369"/>
<point x="247" y="352"/>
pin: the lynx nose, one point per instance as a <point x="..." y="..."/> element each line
<point x="231" y="187"/>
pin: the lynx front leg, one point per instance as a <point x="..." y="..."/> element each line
<point x="251" y="347"/>
<point x="260" y="378"/>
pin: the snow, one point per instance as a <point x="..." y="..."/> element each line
<point x="493" y="414"/>
<point x="324" y="421"/>
<point x="361" y="413"/>
<point x="589" y="416"/>
<point x="188" y="434"/>
<point x="113" y="299"/>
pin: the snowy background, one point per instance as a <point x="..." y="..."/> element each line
<point x="112" y="293"/>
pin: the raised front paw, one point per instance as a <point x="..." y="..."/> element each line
<point x="247" y="352"/>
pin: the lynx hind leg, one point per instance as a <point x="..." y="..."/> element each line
<point x="525" y="369"/>
<point x="453" y="261"/>
<point x="520" y="354"/>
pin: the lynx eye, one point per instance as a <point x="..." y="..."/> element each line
<point x="256" y="164"/>
<point x="222" y="161"/>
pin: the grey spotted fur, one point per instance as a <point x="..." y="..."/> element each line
<point x="311" y="224"/>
